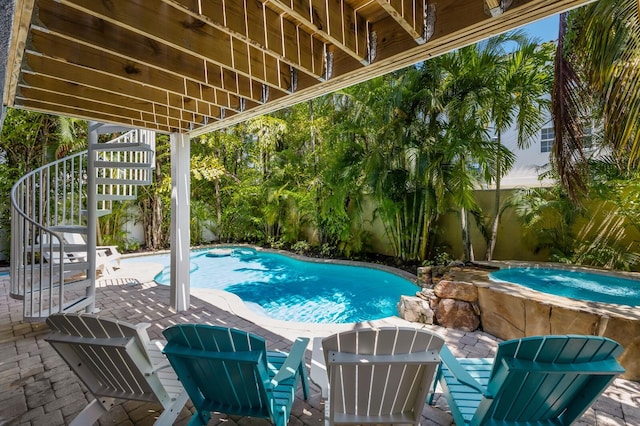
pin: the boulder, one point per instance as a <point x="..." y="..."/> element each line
<point x="459" y="290"/>
<point x="415" y="309"/>
<point x="424" y="277"/>
<point x="458" y="314"/>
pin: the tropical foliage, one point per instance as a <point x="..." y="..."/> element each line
<point x="597" y="78"/>
<point x="394" y="153"/>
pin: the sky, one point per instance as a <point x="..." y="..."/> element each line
<point x="545" y="29"/>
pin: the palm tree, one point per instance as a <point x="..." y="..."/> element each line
<point x="522" y="80"/>
<point x="598" y="67"/>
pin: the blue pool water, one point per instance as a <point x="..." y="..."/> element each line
<point x="289" y="289"/>
<point x="593" y="287"/>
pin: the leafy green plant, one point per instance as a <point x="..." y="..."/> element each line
<point x="301" y="247"/>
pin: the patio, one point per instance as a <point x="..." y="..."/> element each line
<point x="37" y="387"/>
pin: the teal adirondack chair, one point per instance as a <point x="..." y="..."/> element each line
<point x="545" y="380"/>
<point x="230" y="371"/>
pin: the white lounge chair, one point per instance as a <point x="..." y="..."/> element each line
<point x="107" y="257"/>
<point x="116" y="360"/>
<point x="379" y="375"/>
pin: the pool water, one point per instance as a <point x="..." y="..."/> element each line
<point x="588" y="286"/>
<point x="288" y="289"/>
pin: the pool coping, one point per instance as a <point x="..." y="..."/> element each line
<point x="481" y="279"/>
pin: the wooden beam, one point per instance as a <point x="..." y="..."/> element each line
<point x="184" y="121"/>
<point x="408" y="14"/>
<point x="257" y="27"/>
<point x="334" y="21"/>
<point x="70" y="111"/>
<point x="481" y="27"/>
<point x="89" y="77"/>
<point x="157" y="111"/>
<point x="109" y="37"/>
<point x="110" y="64"/>
<point x="23" y="10"/>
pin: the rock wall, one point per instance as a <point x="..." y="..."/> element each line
<point x="466" y="299"/>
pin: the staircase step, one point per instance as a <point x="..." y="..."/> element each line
<point x="122" y="146"/>
<point x="75" y="229"/>
<point x="101" y="212"/>
<point x="122" y="165"/>
<point x="109" y="181"/>
<point x="116" y="197"/>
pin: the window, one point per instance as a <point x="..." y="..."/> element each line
<point x="547" y="137"/>
<point x="587" y="136"/>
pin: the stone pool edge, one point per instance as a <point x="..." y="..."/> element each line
<point x="510" y="311"/>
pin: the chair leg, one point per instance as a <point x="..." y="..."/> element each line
<point x="435" y="384"/>
<point x="171" y="412"/>
<point x="200" y="418"/>
<point x="92" y="412"/>
<point x="302" y="369"/>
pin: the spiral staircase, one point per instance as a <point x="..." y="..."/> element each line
<point x="48" y="272"/>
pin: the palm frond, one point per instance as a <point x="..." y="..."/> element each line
<point x="568" y="109"/>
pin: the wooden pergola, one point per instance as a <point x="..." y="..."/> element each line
<point x="187" y="67"/>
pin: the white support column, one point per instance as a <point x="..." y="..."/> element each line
<point x="180" y="218"/>
<point x="92" y="215"/>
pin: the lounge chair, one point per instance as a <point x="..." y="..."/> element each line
<point x="107" y="257"/>
<point x="115" y="360"/>
<point x="379" y="375"/>
<point x="548" y="380"/>
<point x="230" y="371"/>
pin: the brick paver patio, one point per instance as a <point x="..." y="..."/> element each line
<point x="37" y="387"/>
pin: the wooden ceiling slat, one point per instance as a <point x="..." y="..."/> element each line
<point x="20" y="30"/>
<point x="88" y="77"/>
<point x="408" y="15"/>
<point x="520" y="13"/>
<point x="122" y="100"/>
<point x="56" y="109"/>
<point x="128" y="69"/>
<point x="180" y="65"/>
<point x="76" y="25"/>
<point x="327" y="22"/>
<point x="249" y="22"/>
<point x="90" y="108"/>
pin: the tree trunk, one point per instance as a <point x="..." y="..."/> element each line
<point x="496" y="206"/>
<point x="218" y="201"/>
<point x="466" y="236"/>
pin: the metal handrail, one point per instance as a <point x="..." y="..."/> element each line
<point x="49" y="196"/>
<point x="52" y="200"/>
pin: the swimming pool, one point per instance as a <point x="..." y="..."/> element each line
<point x="594" y="287"/>
<point x="289" y="289"/>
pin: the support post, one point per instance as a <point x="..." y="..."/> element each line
<point x="180" y="220"/>
<point x="92" y="215"/>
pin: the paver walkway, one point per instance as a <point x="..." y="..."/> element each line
<point x="37" y="387"/>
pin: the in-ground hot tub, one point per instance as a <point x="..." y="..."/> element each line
<point x="510" y="310"/>
<point x="593" y="286"/>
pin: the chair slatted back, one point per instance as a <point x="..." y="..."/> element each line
<point x="537" y="379"/>
<point x="109" y="356"/>
<point x="222" y="369"/>
<point x="388" y="378"/>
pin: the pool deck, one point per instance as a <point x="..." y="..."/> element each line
<point x="37" y="387"/>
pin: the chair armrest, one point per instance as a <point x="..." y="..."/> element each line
<point x="290" y="366"/>
<point x="604" y="367"/>
<point x="460" y="373"/>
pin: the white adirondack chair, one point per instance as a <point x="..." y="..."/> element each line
<point x="116" y="360"/>
<point x="379" y="375"/>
